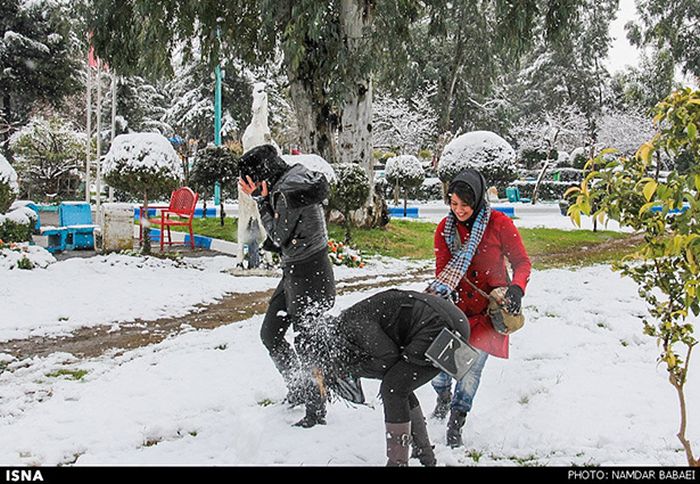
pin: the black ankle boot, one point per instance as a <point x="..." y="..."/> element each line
<point x="454" y="428"/>
<point x="442" y="405"/>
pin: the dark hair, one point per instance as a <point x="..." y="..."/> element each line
<point x="262" y="163"/>
<point x="463" y="191"/>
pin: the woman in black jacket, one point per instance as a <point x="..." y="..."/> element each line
<point x="289" y="200"/>
<point x="386" y="337"/>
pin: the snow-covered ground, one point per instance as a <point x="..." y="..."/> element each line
<point x="83" y="292"/>
<point x="581" y="387"/>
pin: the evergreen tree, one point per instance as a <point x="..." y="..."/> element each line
<point x="141" y="106"/>
<point x="37" y="58"/>
<point x="191" y="94"/>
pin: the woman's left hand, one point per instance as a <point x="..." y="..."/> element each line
<point x="513" y="299"/>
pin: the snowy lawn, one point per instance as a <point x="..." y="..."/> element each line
<point x="116" y="288"/>
<point x="581" y="387"/>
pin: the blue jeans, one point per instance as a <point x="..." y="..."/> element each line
<point x="466" y="387"/>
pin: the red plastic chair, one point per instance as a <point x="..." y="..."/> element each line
<point x="182" y="204"/>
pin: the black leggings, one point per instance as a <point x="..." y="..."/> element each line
<point x="306" y="291"/>
<point x="397" y="388"/>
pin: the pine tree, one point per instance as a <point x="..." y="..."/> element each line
<point x="37" y="58"/>
<point x="191" y="107"/>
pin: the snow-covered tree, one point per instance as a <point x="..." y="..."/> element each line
<point x="141" y="105"/>
<point x="191" y="94"/>
<point x="644" y="85"/>
<point x="49" y="156"/>
<point x="482" y="150"/>
<point x="143" y="165"/>
<point x="623" y="130"/>
<point x="404" y="172"/>
<point x="37" y="61"/>
<point x="405" y="126"/>
<point x="8" y="184"/>
<point x="214" y="164"/>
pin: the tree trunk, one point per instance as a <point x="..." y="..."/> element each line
<point x="222" y="213"/>
<point x="355" y="135"/>
<point x="539" y="180"/>
<point x="316" y="120"/>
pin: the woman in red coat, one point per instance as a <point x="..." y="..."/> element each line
<point x="472" y="244"/>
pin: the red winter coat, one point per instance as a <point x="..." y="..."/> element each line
<point x="487" y="271"/>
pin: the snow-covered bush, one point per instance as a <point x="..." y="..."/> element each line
<point x="23" y="256"/>
<point x="482" y="150"/>
<point x="8" y="184"/>
<point x="214" y="164"/>
<point x="143" y="165"/>
<point x="49" y="154"/>
<point x="404" y="172"/>
<point x="349" y="191"/>
<point x="430" y="189"/>
<point x="532" y="157"/>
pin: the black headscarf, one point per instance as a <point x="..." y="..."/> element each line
<point x="476" y="182"/>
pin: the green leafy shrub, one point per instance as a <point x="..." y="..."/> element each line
<point x="349" y="192"/>
<point x="667" y="212"/>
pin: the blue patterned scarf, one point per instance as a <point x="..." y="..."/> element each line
<point x="447" y="281"/>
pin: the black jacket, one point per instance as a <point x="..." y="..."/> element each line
<point x="292" y="213"/>
<point x="375" y="333"/>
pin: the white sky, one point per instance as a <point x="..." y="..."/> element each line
<point x="621" y="53"/>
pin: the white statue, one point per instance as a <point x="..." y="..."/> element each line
<point x="250" y="229"/>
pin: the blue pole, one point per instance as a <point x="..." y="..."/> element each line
<point x="217" y="125"/>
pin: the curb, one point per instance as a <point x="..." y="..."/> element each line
<point x="414" y="212"/>
<point x="209" y="243"/>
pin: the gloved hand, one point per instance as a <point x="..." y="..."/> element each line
<point x="270" y="246"/>
<point x="513" y="299"/>
<point x="443" y="290"/>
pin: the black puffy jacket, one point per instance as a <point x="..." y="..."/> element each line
<point x="293" y="216"/>
<point x="375" y="333"/>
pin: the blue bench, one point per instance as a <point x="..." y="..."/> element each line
<point x="76" y="218"/>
